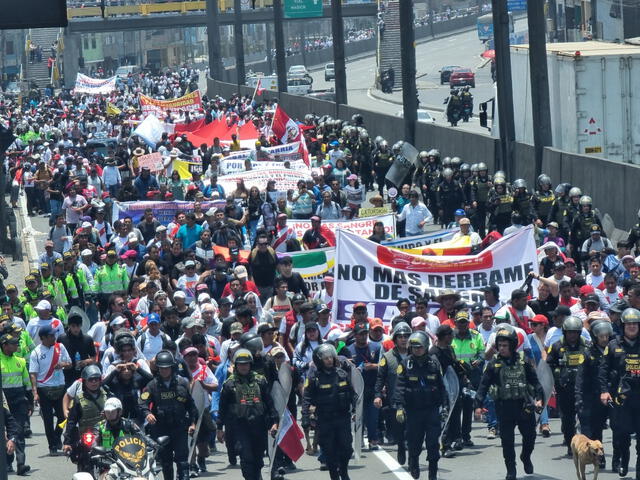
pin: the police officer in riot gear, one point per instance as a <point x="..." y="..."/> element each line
<point x="543" y="198"/>
<point x="329" y="389"/>
<point x="515" y="388"/>
<point x="418" y="397"/>
<point x="581" y="228"/>
<point x="168" y="408"/>
<point x="564" y="358"/>
<point x="634" y="236"/>
<point x="559" y="208"/>
<point x="449" y="196"/>
<point x="387" y="379"/>
<point x="265" y="366"/>
<point x="500" y="205"/>
<point x="592" y="413"/>
<point x="480" y="188"/>
<point x="454" y="107"/>
<point x="247" y="409"/>
<point x="382" y="161"/>
<point x="619" y="380"/>
<point x="522" y="201"/>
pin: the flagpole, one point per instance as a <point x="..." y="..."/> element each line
<point x="255" y="90"/>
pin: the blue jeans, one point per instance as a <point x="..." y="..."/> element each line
<point x="370" y="419"/>
<point x="56" y="209"/>
<point x="544" y="416"/>
<point x="490" y="416"/>
<point x="253" y="226"/>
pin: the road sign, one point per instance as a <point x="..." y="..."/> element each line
<point x="302" y="8"/>
<point x="517" y="5"/>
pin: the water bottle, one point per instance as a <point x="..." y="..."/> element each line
<point x="76" y="359"/>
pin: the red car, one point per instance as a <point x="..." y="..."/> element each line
<point x="462" y="76"/>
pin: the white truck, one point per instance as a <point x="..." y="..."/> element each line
<point x="595" y="105"/>
<point x="296" y="84"/>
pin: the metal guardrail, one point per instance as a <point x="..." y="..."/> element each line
<point x="153" y="8"/>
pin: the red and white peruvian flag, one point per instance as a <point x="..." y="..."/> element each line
<point x="284" y="127"/>
<point x="290" y="437"/>
<point x="259" y="88"/>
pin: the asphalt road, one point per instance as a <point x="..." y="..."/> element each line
<point x="463" y="50"/>
<point x="482" y="462"/>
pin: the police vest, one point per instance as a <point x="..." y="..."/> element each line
<point x="523" y="203"/>
<point x="570" y="361"/>
<point x="421" y="382"/>
<point x="512" y="381"/>
<point x="391" y="360"/>
<point x="383" y="160"/>
<point x="13" y="372"/>
<point x="482" y="191"/>
<point x="248" y="403"/>
<point x="544" y="202"/>
<point x="107" y="435"/>
<point x="169" y="402"/>
<point x="505" y="205"/>
<point x="585" y="222"/>
<point x="333" y="392"/>
<point x="91" y="410"/>
<point x="562" y="205"/>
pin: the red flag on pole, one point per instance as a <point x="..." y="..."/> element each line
<point x="259" y="88"/>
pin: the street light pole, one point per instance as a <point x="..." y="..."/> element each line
<point x="408" y="58"/>
<point x="337" y="27"/>
<point x="505" y="91"/>
<point x="541" y="109"/>
<point x="281" y="66"/>
<point x="238" y="36"/>
<point x="213" y="40"/>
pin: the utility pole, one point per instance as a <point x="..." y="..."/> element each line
<point x="281" y="65"/>
<point x="337" y="29"/>
<point x="267" y="41"/>
<point x="541" y="109"/>
<point x="408" y="58"/>
<point x="303" y="50"/>
<point x="431" y="13"/>
<point x="213" y="40"/>
<point x="239" y="42"/>
<point x="503" y="80"/>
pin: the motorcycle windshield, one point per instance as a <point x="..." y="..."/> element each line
<point x="132" y="451"/>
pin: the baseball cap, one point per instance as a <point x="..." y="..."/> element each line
<point x="189" y="350"/>
<point x="462" y="316"/>
<point x="275" y="351"/>
<point x="586" y="290"/>
<point x="464" y="221"/>
<point x="592" y="298"/>
<point x="180" y="294"/>
<point x="46" y="331"/>
<point x="153" y="318"/>
<point x="561" y="310"/>
<point x="361" y="327"/>
<point x="86" y="252"/>
<point x="323" y="308"/>
<point x="240" y="272"/>
<point x="236" y="327"/>
<point x="161" y="228"/>
<point x="459" y="212"/>
<point x="417" y="322"/>
<point x="86" y="225"/>
<point x="204" y="297"/>
<point x="359" y="305"/>
<point x="189" y="263"/>
<point x="298" y="298"/>
<point x="307" y="307"/>
<point x="553" y="224"/>
<point x="328" y="278"/>
<point x="43" y="305"/>
<point x="595" y="229"/>
<point x="266" y="327"/>
<point x="376" y="323"/>
<point x="188" y="322"/>
<point x="539" y="318"/>
<point x="119" y="320"/>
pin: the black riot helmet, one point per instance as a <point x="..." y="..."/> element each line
<point x="252" y="342"/>
<point x="419" y="339"/>
<point x="323" y="351"/>
<point x="164" y="359"/>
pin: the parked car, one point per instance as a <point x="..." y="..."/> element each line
<point x="298" y="70"/>
<point x="445" y="72"/>
<point x="125" y="70"/>
<point x="329" y="72"/>
<point x="423" y="116"/>
<point x="12" y="89"/>
<point x="462" y="76"/>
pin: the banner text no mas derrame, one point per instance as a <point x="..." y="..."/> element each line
<point x="392" y="284"/>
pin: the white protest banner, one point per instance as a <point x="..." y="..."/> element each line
<point x="95" y="86"/>
<point x="422" y="240"/>
<point x="153" y="161"/>
<point x="227" y="166"/>
<point x="379" y="275"/>
<point x="288" y="151"/>
<point x="363" y="227"/>
<point x="285" y="179"/>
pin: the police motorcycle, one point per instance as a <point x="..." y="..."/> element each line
<point x="131" y="458"/>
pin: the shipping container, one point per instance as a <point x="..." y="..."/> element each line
<point x="595" y="104"/>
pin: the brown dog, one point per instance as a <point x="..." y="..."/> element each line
<point x="585" y="452"/>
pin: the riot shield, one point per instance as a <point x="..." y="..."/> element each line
<point x="280" y="392"/>
<point x="356" y="428"/>
<point x="452" y="385"/>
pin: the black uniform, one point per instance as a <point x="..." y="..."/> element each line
<point x="558" y="213"/>
<point x="501" y="207"/>
<point x="480" y="188"/>
<point x="246" y="408"/>
<point x="542" y="204"/>
<point x="581" y="231"/>
<point x="331" y="392"/>
<point x="172" y="405"/>
<point x="633" y="240"/>
<point x="450" y="198"/>
<point x="619" y="374"/>
<point x="385" y="389"/>
<point x="382" y="161"/>
<point x="514" y="386"/>
<point x="592" y="412"/>
<point x="522" y="204"/>
<point x="565" y="360"/>
<point x="420" y="391"/>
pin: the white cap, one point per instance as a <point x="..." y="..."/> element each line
<point x="119" y="320"/>
<point x="112" y="404"/>
<point x="204" y="297"/>
<point x="179" y="294"/>
<point x="86" y="225"/>
<point x="86" y="252"/>
<point x="43" y="305"/>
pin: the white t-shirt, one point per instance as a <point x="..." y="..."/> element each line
<point x="98" y="331"/>
<point x="554" y="334"/>
<point x="152" y="345"/>
<point x="595" y="281"/>
<point x="40" y="362"/>
<point x="35" y="324"/>
<point x="188" y="286"/>
<point x="324" y="331"/>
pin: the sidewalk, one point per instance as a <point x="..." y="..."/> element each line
<point x="18" y="269"/>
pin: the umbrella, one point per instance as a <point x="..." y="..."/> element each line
<point x="489" y="54"/>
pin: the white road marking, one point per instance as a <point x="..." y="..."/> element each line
<point x="393" y="466"/>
